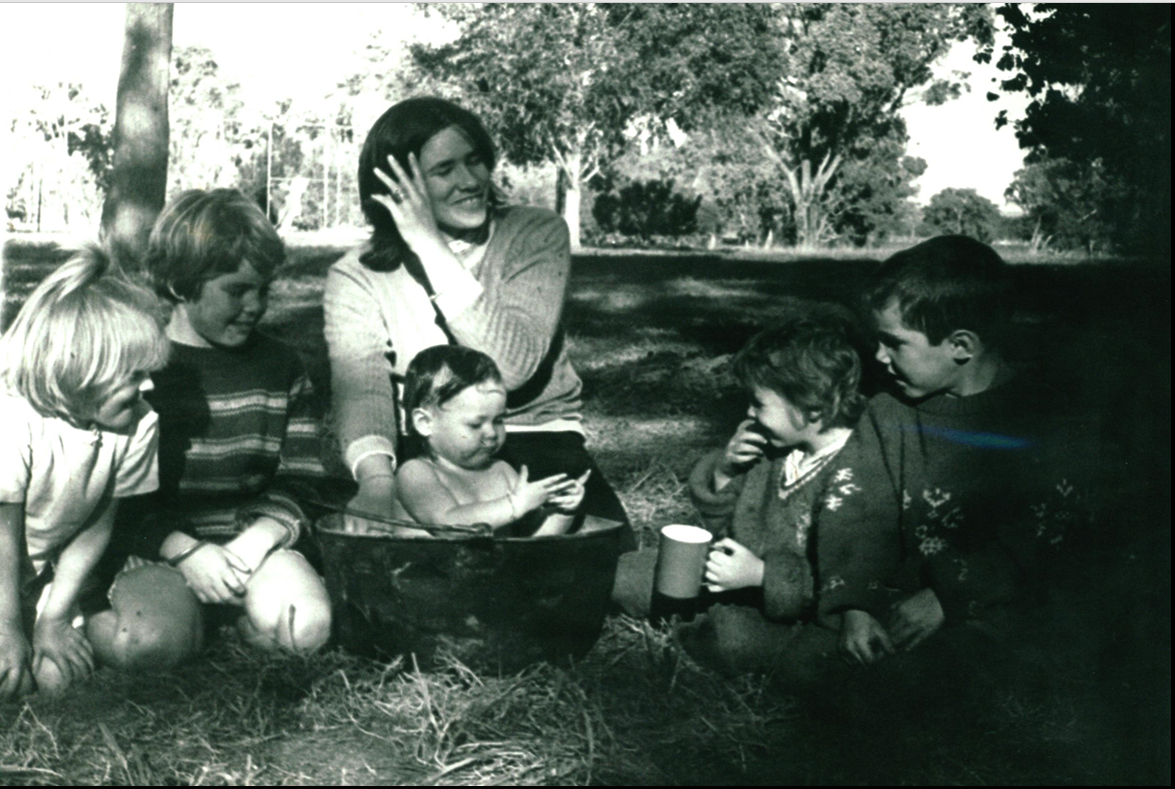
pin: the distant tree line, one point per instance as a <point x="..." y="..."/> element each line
<point x="654" y="123"/>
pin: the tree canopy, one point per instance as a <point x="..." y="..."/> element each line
<point x="563" y="83"/>
<point x="1099" y="76"/>
<point x="850" y="68"/>
<point x="962" y="212"/>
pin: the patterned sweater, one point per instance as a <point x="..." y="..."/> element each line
<point x="239" y="439"/>
<point x="508" y="305"/>
<point x="971" y="497"/>
<point x="773" y="520"/>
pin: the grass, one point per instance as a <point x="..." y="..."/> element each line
<point x="651" y="336"/>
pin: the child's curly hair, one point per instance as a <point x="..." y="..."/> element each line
<point x="810" y="361"/>
<point x="80" y="335"/>
<point x="438" y="374"/>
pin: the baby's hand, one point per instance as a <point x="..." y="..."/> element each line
<point x="567" y="502"/>
<point x="745" y="448"/>
<point x="59" y="641"/>
<point x="732" y="566"/>
<point x="863" y="639"/>
<point x="528" y="496"/>
<point x="16" y="665"/>
<point x="216" y="575"/>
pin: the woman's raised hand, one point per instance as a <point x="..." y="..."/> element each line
<point x="409" y="204"/>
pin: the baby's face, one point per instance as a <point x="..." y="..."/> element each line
<point x="469" y="429"/>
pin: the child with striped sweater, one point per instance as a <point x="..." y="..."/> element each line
<point x="239" y="439"/>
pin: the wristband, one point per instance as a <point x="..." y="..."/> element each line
<point x="186" y="552"/>
<point x="513" y="509"/>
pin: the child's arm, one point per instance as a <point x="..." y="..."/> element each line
<point x="731" y="565"/>
<point x="561" y="509"/>
<point x="745" y="449"/>
<point x="16" y="654"/>
<point x="54" y="637"/>
<point x="427" y="499"/>
<point x="715" y="507"/>
<point x="785" y="577"/>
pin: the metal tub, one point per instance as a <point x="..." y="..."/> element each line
<point x="495" y="603"/>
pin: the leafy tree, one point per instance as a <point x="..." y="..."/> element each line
<point x="561" y="83"/>
<point x="1100" y="80"/>
<point x="850" y="69"/>
<point x="963" y="212"/>
<point x="871" y="199"/>
<point x="1062" y="202"/>
<point x="138" y="181"/>
<point x="60" y="145"/>
<point x="724" y="165"/>
<point x="214" y="135"/>
<point x="644" y="209"/>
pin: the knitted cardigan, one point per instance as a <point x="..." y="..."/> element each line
<point x="772" y="521"/>
<point x="508" y="306"/>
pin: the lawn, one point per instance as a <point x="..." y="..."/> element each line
<point x="650" y="335"/>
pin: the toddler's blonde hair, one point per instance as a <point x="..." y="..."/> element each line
<point x="80" y="335"/>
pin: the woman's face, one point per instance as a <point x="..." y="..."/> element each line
<point x="457" y="179"/>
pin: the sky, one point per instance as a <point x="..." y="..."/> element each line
<point x="275" y="50"/>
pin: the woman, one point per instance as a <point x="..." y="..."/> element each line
<point x="448" y="263"/>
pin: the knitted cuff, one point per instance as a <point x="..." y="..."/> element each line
<point x="278" y="507"/>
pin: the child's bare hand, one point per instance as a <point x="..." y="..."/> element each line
<point x="251" y="547"/>
<point x="569" y="500"/>
<point x="744" y="449"/>
<point x="216" y="575"/>
<point x="16" y="665"/>
<point x="60" y="642"/>
<point x="528" y="496"/>
<point x="916" y="619"/>
<point x="863" y="639"/>
<point x="731" y="565"/>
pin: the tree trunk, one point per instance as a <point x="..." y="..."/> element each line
<point x="569" y="194"/>
<point x="138" y="183"/>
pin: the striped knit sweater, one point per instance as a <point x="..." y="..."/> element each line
<point x="239" y="439"/>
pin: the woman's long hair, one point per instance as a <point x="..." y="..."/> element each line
<point x="404" y="129"/>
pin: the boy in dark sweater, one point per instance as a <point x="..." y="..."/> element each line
<point x="972" y="470"/>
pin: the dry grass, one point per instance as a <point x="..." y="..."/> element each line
<point x="651" y="335"/>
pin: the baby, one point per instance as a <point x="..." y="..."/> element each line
<point x="456" y="402"/>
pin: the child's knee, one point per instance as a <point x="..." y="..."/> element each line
<point x="287" y="606"/>
<point x="154" y="623"/>
<point x="292" y="626"/>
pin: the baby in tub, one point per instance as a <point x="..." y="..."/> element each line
<point x="455" y="402"/>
